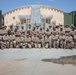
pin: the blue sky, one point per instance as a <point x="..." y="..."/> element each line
<point x="65" y="5"/>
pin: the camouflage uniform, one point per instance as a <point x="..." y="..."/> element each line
<point x="50" y="29"/>
<point x="5" y="41"/>
<point x="67" y="29"/>
<point x="55" y="40"/>
<point x="54" y="31"/>
<point x="13" y="40"/>
<point x="42" y="35"/>
<point x="69" y="41"/>
<point x="10" y="38"/>
<point x="47" y="32"/>
<point x="29" y="30"/>
<point x="62" y="40"/>
<point x="62" y="31"/>
<point x="28" y="42"/>
<point x="75" y="38"/>
<point x="47" y="41"/>
<point x="58" y="29"/>
<point x="22" y="30"/>
<point x="40" y="41"/>
<point x="37" y="30"/>
<point x="0" y="41"/>
<point x="33" y="31"/>
<point x="19" y="41"/>
<point x="35" y="40"/>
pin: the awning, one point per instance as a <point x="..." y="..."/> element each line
<point x="46" y="16"/>
<point x="24" y="16"/>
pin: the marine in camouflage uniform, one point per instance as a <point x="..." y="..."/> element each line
<point x="5" y="41"/>
<point x="47" y="41"/>
<point x="69" y="41"/>
<point x="55" y="40"/>
<point x="74" y="38"/>
<point x="28" y="41"/>
<point x="35" y="41"/>
<point x="40" y="41"/>
<point x="62" y="43"/>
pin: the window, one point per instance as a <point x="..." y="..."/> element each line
<point x="48" y="20"/>
<point x="43" y="20"/>
<point x="13" y="18"/>
<point x="23" y="21"/>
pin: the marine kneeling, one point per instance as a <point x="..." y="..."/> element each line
<point x="62" y="43"/>
<point x="34" y="41"/>
<point x="5" y="41"/>
<point x="39" y="41"/>
<point x="12" y="41"/>
<point x="47" y="41"/>
<point x="28" y="41"/>
<point x="55" y="40"/>
<point x="69" y="41"/>
<point x="19" y="41"/>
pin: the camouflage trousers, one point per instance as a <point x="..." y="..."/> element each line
<point x="47" y="44"/>
<point x="35" y="44"/>
<point x="69" y="44"/>
<point x="39" y="44"/>
<point x="74" y="43"/>
<point x="55" y="43"/>
<point x="62" y="44"/>
<point x="28" y="45"/>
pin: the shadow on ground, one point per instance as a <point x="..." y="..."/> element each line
<point x="63" y="60"/>
<point x="20" y="59"/>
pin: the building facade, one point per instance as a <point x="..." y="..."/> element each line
<point x="34" y="14"/>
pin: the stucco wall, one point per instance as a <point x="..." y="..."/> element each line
<point x="58" y="15"/>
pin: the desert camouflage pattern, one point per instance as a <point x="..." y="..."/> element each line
<point x="38" y="37"/>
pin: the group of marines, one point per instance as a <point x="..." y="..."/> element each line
<point x="38" y="37"/>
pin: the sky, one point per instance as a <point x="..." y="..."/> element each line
<point x="65" y="5"/>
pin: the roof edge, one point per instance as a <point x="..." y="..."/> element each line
<point x="32" y="5"/>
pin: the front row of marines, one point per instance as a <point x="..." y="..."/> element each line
<point x="38" y="37"/>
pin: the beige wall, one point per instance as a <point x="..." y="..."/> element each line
<point x="58" y="15"/>
<point x="8" y="17"/>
